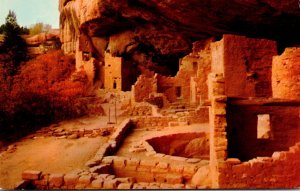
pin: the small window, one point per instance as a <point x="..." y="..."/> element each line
<point x="264" y="126"/>
<point x="86" y="56"/>
<point x="178" y="91"/>
<point x="115" y="85"/>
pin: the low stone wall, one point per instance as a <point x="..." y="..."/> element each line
<point x="152" y="170"/>
<point x="201" y="115"/>
<point x="113" y="144"/>
<point x="279" y="171"/>
<point x="98" y="175"/>
<point x="73" y="134"/>
<point x="80" y="179"/>
<point x="140" y="109"/>
<point x="154" y="122"/>
<point x="87" y="180"/>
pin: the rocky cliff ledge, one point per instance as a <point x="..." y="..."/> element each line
<point x="162" y="31"/>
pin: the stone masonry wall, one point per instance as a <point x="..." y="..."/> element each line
<point x="243" y="122"/>
<point x="154" y="122"/>
<point x="113" y="72"/>
<point x="204" y="68"/>
<point x="249" y="61"/>
<point x="286" y="74"/>
<point x="143" y="88"/>
<point x="217" y="121"/>
<point x="151" y="170"/>
<point x="279" y="171"/>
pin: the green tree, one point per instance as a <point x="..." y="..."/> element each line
<point x="1" y="29"/>
<point x="13" y="45"/>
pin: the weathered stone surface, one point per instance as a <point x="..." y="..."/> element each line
<point x="85" y="180"/>
<point x="31" y="175"/>
<point x="286" y="74"/>
<point x="174" y="179"/>
<point x="101" y="169"/>
<point x="202" y="177"/>
<point x="56" y="180"/>
<point x="71" y="179"/>
<point x="110" y="184"/>
<point x="98" y="183"/>
<point x="125" y="186"/>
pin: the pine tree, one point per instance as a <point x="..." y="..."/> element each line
<point x="14" y="45"/>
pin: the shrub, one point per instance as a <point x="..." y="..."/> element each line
<point x="44" y="91"/>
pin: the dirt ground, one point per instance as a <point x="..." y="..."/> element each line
<point x="51" y="154"/>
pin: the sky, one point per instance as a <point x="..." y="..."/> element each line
<point x="30" y="12"/>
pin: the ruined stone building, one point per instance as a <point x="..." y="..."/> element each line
<point x="246" y="86"/>
<point x="113" y="72"/>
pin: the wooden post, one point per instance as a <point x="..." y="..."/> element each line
<point x="109" y="115"/>
<point x="116" y="109"/>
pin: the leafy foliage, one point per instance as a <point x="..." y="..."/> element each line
<point x="14" y="45"/>
<point x="45" y="90"/>
<point x="39" y="28"/>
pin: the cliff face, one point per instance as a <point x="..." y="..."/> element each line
<point x="160" y="32"/>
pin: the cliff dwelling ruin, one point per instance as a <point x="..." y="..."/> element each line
<point x="205" y="95"/>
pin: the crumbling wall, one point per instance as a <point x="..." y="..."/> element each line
<point x="200" y="115"/>
<point x="189" y="85"/>
<point x="167" y="86"/>
<point x="176" y="88"/>
<point x="153" y="122"/>
<point x="142" y="89"/>
<point x="286" y="74"/>
<point x="279" y="171"/>
<point x="204" y="68"/>
<point x="243" y="139"/>
<point x="144" y="170"/>
<point x="246" y="64"/>
<point x="140" y="109"/>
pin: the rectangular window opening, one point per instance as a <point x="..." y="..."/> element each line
<point x="178" y="91"/>
<point x="264" y="130"/>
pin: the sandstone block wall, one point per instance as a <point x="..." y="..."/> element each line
<point x="286" y="74"/>
<point x="279" y="171"/>
<point x="242" y="130"/>
<point x="190" y="79"/>
<point x="246" y="64"/>
<point x="113" y="72"/>
<point x="167" y="86"/>
<point x="154" y="122"/>
<point x="201" y="115"/>
<point x="139" y="110"/>
<point x="176" y="88"/>
<point x="143" y="88"/>
<point x="152" y="170"/>
<point x="218" y="124"/>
